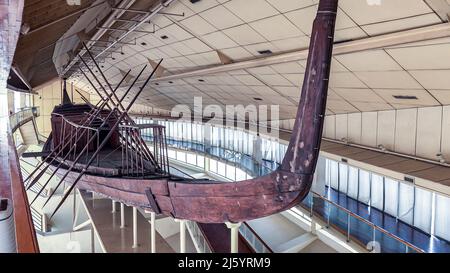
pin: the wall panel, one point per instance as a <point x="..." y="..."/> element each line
<point x="386" y="129"/>
<point x="354" y="127"/>
<point x="429" y="132"/>
<point x="405" y="131"/>
<point x="369" y="123"/>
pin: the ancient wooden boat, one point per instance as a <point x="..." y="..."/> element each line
<point x="99" y="148"/>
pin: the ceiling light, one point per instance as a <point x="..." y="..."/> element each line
<point x="170" y="81"/>
<point x="405" y="97"/>
<point x="264" y="52"/>
<point x="201" y="80"/>
<point x="194" y="1"/>
<point x="257" y="99"/>
<point x="164" y="37"/>
<point x="143" y="43"/>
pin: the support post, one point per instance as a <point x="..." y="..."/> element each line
<point x="152" y="232"/>
<point x="182" y="235"/>
<point x="92" y="240"/>
<point x="135" y="239"/>
<point x="122" y="215"/>
<point x="234" y="230"/>
<point x="113" y="206"/>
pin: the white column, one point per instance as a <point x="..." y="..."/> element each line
<point x="234" y="228"/>
<point x="135" y="239"/>
<point x="122" y="215"/>
<point x="182" y="235"/>
<point x="113" y="206"/>
<point x="153" y="232"/>
<point x="92" y="240"/>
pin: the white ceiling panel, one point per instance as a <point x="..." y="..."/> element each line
<point x="251" y="10"/>
<point x="388" y="79"/>
<point x="276" y="28"/>
<point x="376" y="60"/>
<point x="423" y="57"/>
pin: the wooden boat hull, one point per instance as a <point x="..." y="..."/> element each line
<point x="199" y="201"/>
<point x="219" y="202"/>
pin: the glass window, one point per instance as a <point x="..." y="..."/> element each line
<point x="353" y="178"/>
<point x="191" y="158"/>
<point x="422" y="209"/>
<point x="334" y="174"/>
<point x="364" y="187"/>
<point x="343" y="177"/>
<point x="406" y="203"/>
<point x="181" y="156"/>
<point x="200" y="161"/>
<point x="231" y="172"/>
<point x="240" y="175"/>
<point x="442" y="219"/>
<point x="170" y="153"/>
<point x="377" y="191"/>
<point x="213" y="165"/>
<point x="390" y="196"/>
<point x="221" y="169"/>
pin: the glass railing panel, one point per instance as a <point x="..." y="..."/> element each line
<point x="361" y="232"/>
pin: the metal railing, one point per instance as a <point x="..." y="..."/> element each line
<point x="201" y="243"/>
<point x="380" y="240"/>
<point x="253" y="239"/>
<point x="23" y="116"/>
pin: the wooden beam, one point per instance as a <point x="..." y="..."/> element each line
<point x="381" y="41"/>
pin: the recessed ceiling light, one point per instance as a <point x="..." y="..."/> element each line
<point x="156" y="83"/>
<point x="123" y="53"/>
<point x="201" y="80"/>
<point x="144" y="43"/>
<point x="257" y="99"/>
<point x="405" y="97"/>
<point x="194" y="1"/>
<point x="170" y="81"/>
<point x="164" y="37"/>
<point x="264" y="52"/>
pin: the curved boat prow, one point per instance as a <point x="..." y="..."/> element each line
<point x="290" y="184"/>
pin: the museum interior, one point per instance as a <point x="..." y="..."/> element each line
<point x="225" y="126"/>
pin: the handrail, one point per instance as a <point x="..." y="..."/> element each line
<point x="257" y="237"/>
<point x="78" y="126"/>
<point x="202" y="234"/>
<point x="23" y="116"/>
<point x="409" y="245"/>
<point x="26" y="240"/>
